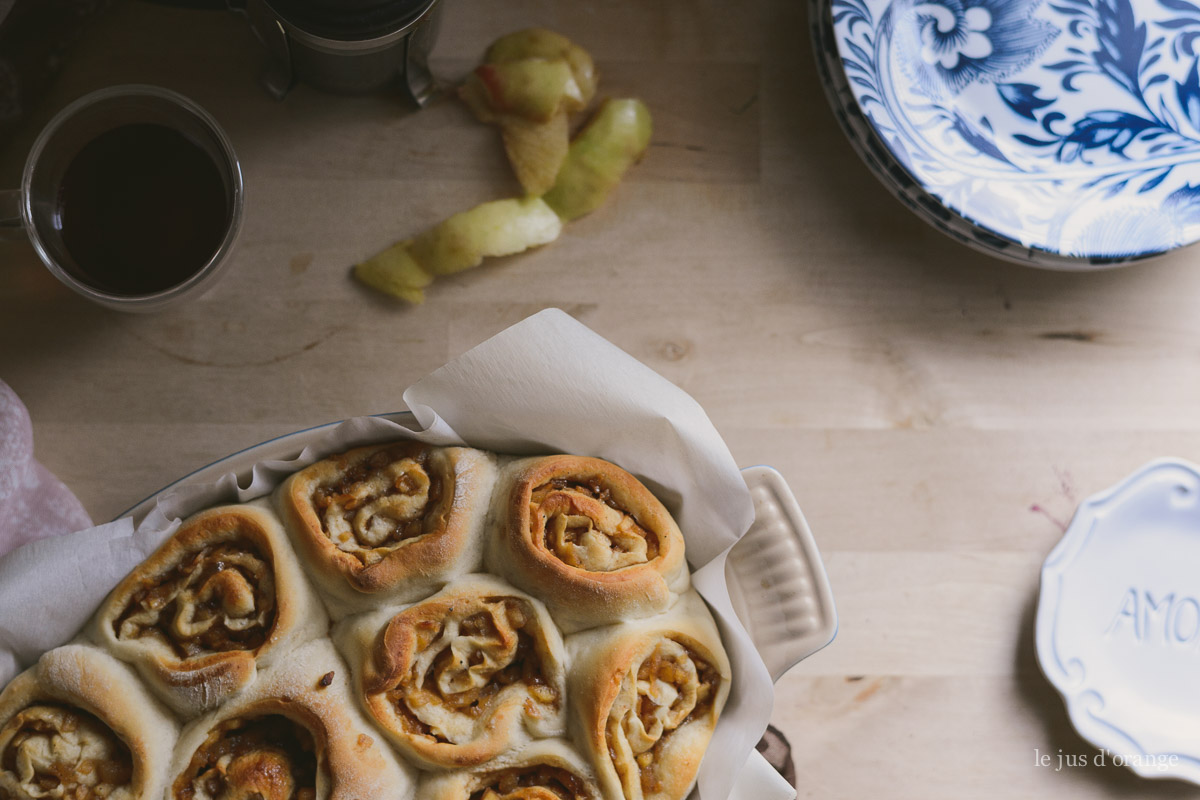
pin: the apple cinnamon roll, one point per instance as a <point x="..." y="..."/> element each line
<point x="79" y="725"/>
<point x="222" y="597"/>
<point x="474" y="671"/>
<point x="296" y="734"/>
<point x="588" y="538"/>
<point x="645" y="699"/>
<point x="546" y="769"/>
<point x="388" y="523"/>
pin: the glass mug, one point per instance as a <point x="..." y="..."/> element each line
<point x="132" y="196"/>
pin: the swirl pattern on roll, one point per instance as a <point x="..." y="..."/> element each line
<point x="466" y="675"/>
<point x="49" y="750"/>
<point x="381" y="501"/>
<point x="581" y="525"/>
<point x="646" y="697"/>
<point x="459" y="666"/>
<point x="546" y="769"/>
<point x="388" y="521"/>
<point x="223" y="596"/>
<point x="658" y="694"/>
<point x="532" y="782"/>
<point x="295" y="734"/>
<point x="588" y="538"/>
<point x="79" y="726"/>
<point x="540" y="782"/>
<point x="218" y="598"/>
<point x="270" y="757"/>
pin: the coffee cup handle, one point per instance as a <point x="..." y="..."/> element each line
<point x="10" y="213"/>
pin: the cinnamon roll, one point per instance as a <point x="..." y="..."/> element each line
<point x="588" y="538"/>
<point x="388" y="523"/>
<point x="546" y="769"/>
<point x="462" y="677"/>
<point x="296" y="734"/>
<point x="222" y="597"/>
<point x="79" y="725"/>
<point x="645" y="698"/>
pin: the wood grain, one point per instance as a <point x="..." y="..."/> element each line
<point x="938" y="413"/>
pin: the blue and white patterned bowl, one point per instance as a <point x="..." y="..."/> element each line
<point x="1063" y="133"/>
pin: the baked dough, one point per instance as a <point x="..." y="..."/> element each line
<point x="645" y="697"/>
<point x="587" y="538"/>
<point x="545" y="769"/>
<point x="222" y="597"/>
<point x="474" y="671"/>
<point x="296" y="734"/>
<point x="446" y="669"/>
<point x="80" y="725"/>
<point x="388" y="523"/>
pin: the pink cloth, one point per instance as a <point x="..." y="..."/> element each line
<point x="33" y="503"/>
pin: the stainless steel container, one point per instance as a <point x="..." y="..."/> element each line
<point x="345" y="46"/>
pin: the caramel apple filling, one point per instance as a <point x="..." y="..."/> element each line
<point x="259" y="758"/>
<point x="382" y="502"/>
<point x="671" y="686"/>
<point x="219" y="598"/>
<point x="466" y="656"/>
<point x="535" y="782"/>
<point x="584" y="526"/>
<point x="60" y="752"/>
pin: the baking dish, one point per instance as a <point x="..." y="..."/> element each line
<point x="775" y="581"/>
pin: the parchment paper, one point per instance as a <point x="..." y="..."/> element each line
<point x="547" y="384"/>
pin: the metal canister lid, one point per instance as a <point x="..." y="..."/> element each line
<point x="350" y="20"/>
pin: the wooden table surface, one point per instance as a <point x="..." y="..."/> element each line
<point x="939" y="413"/>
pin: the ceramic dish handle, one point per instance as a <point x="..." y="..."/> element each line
<point x="776" y="579"/>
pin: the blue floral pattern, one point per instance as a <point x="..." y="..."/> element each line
<point x="944" y="45"/>
<point x="1051" y="129"/>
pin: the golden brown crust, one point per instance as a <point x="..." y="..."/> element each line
<point x="646" y="697"/>
<point x="588" y="538"/>
<point x="546" y="769"/>
<point x="80" y="721"/>
<point x="220" y="598"/>
<point x="468" y="683"/>
<point x="271" y="749"/>
<point x="388" y="522"/>
<point x="295" y="734"/>
<point x="462" y="677"/>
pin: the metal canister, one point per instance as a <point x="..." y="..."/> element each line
<point x="346" y="46"/>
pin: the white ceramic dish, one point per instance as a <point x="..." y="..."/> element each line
<point x="776" y="578"/>
<point x="1118" y="622"/>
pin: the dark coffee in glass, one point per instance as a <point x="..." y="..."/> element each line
<point x="142" y="208"/>
<point x="131" y="196"/>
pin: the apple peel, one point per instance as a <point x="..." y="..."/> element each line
<point x="528" y="85"/>
<point x="461" y="242"/>
<point x="546" y="44"/>
<point x="614" y="139"/>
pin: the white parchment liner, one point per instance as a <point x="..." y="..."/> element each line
<point x="547" y="384"/>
